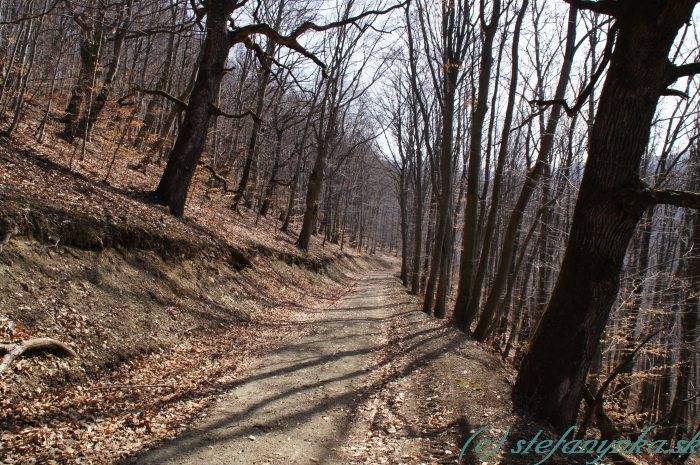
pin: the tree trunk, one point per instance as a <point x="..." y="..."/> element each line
<point x="471" y="211"/>
<point x="270" y="188"/>
<point x="293" y="191"/>
<point x="690" y="290"/>
<point x="312" y="198"/>
<point x="252" y="149"/>
<point x="471" y="296"/>
<point x="98" y="103"/>
<point x="417" y="219"/>
<point x="175" y="183"/>
<point x="608" y="208"/>
<point x="531" y="181"/>
<point x="89" y="55"/>
<point x="151" y="114"/>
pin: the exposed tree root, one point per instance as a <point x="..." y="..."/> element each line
<point x="32" y="347"/>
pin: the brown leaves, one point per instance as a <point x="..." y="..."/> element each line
<point x="158" y="341"/>
<point x="131" y="408"/>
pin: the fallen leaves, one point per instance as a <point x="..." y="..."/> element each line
<point x="152" y="398"/>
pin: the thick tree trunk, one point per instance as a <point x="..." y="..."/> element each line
<point x="100" y="100"/>
<point x="435" y="257"/>
<point x="554" y="370"/>
<point x="443" y="242"/>
<point x="89" y="55"/>
<point x="175" y="183"/>
<point x="300" y="146"/>
<point x="168" y="122"/>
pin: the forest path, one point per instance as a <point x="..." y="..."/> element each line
<point x="296" y="405"/>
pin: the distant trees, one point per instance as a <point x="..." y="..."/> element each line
<point x="222" y="33"/>
<point x="463" y="313"/>
<point x="165" y="77"/>
<point x="342" y="85"/>
<point x="541" y="166"/>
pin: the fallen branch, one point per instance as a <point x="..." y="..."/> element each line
<point x="33" y="347"/>
<point x="133" y="386"/>
<point x="217" y="176"/>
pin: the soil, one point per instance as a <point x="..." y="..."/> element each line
<point x="96" y="265"/>
<point x="157" y="341"/>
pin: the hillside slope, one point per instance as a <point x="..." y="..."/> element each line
<point x="156" y="308"/>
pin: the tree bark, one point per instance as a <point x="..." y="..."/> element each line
<point x="90" y="45"/>
<point x="175" y="183"/>
<point x="417" y="210"/>
<point x="260" y="92"/>
<point x="100" y="100"/>
<point x="465" y="315"/>
<point x="471" y="211"/>
<point x="270" y="188"/>
<point x="312" y="198"/>
<point x="551" y="380"/>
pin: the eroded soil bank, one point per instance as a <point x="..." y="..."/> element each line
<point x="158" y="332"/>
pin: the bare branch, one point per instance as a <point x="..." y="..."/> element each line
<point x="260" y="54"/>
<point x="242" y="35"/>
<point x="675" y="93"/>
<point x="308" y="25"/>
<point x="691" y="69"/>
<point x="184" y="27"/>
<point x="290" y="41"/>
<point x="216" y="111"/>
<point x="199" y="13"/>
<point x="27" y="18"/>
<point x="590" y="87"/>
<point x="216" y="176"/>
<point x="182" y="105"/>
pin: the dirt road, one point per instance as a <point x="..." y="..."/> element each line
<point x="376" y="382"/>
<point x="298" y="402"/>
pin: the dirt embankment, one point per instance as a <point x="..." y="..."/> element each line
<point x="158" y="313"/>
<point x="114" y="291"/>
<point x="98" y="266"/>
